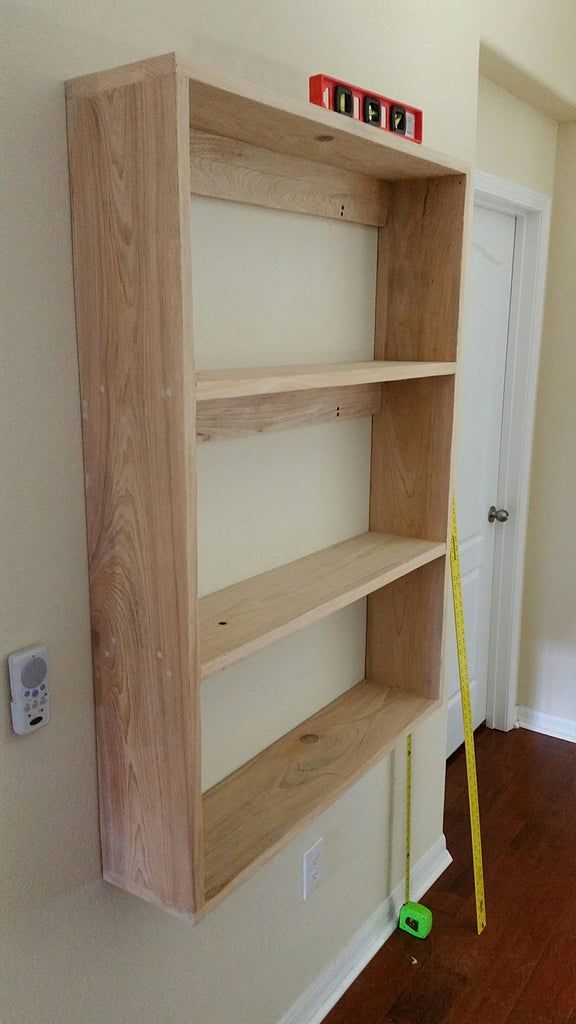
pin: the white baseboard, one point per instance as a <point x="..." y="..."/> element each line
<point x="319" y="998"/>
<point x="549" y="725"/>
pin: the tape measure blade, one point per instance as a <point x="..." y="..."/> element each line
<point x="471" y="774"/>
<point x="407" y="866"/>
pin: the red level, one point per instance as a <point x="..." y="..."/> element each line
<point x="369" y="107"/>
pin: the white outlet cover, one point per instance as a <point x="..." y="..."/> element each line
<point x="312" y="868"/>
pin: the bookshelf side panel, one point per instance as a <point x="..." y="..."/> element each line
<point x="129" y="181"/>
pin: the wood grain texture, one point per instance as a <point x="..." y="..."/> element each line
<point x="128" y="152"/>
<point x="252" y="813"/>
<point x="241" y="619"/>
<point x="299" y="128"/>
<point x="223" y="418"/>
<point x="223" y="168"/>
<point x="411" y="453"/>
<point x="419" y="270"/>
<point x="86" y="86"/>
<point x="267" y="380"/>
<point x="404" y="624"/>
<point x="240" y="110"/>
<point x="130" y="170"/>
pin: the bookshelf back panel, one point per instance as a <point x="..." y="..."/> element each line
<point x="271" y="288"/>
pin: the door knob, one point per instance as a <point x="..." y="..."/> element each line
<point x="501" y="515"/>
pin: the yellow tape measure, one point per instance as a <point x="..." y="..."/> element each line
<point x="408" y="814"/>
<point x="468" y="728"/>
<point x="468" y="742"/>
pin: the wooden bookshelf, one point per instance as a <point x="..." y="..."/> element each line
<point x="142" y="139"/>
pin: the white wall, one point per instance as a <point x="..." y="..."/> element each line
<point x="74" y="949"/>
<point x="548" y="665"/>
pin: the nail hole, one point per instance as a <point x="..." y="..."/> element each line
<point x="341" y="211"/>
<point x="309" y="737"/>
<point x="223" y="622"/>
<point x="323" y="138"/>
<point x="337" y="410"/>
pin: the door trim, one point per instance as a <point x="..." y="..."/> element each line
<point x="532" y="212"/>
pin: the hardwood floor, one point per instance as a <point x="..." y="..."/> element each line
<point x="522" y="969"/>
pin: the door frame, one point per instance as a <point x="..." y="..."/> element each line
<point x="532" y="213"/>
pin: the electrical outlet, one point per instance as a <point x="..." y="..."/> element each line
<point x="312" y="868"/>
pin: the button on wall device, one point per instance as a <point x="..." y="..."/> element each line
<point x="28" y="670"/>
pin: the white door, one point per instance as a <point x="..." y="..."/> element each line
<point x="480" y="406"/>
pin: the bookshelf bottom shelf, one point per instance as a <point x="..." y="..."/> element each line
<point x="250" y="814"/>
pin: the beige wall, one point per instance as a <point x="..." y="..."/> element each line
<point x="76" y="951"/>
<point x="547" y="672"/>
<point x="528" y="47"/>
<point x="513" y="141"/>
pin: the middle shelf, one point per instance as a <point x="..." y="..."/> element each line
<point x="269" y="380"/>
<point x="239" y="620"/>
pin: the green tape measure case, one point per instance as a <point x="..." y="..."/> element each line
<point x="416" y="919"/>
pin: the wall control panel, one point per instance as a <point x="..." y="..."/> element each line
<point x="30" y="704"/>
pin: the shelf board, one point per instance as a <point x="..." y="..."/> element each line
<point x="270" y="380"/>
<point x="239" y="109"/>
<point x="254" y="811"/>
<point x="241" y="619"/>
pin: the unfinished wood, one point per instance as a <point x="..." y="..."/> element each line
<point x="302" y="129"/>
<point x="130" y="188"/>
<point x="241" y="619"/>
<point x="404" y="623"/>
<point x="223" y="168"/>
<point x="224" y="418"/>
<point x="252" y="813"/>
<point x="87" y="86"/>
<point x="240" y="110"/>
<point x="267" y="380"/>
<point x="419" y="270"/>
<point x="141" y="138"/>
<point x="411" y="447"/>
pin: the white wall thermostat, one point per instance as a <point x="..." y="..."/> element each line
<point x="30" y="704"/>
